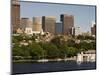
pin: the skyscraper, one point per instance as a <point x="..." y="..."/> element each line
<point x="15" y="15"/>
<point x="26" y="23"/>
<point x="58" y="28"/>
<point x="67" y="23"/>
<point x="37" y="24"/>
<point x="48" y="24"/>
<point x="93" y="30"/>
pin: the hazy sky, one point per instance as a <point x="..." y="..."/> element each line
<point x="83" y="15"/>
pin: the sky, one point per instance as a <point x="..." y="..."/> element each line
<point x="84" y="15"/>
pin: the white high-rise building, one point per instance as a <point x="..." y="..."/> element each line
<point x="78" y="31"/>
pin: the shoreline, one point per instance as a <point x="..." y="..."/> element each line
<point x="46" y="61"/>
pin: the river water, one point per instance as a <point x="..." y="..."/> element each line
<point x="24" y="68"/>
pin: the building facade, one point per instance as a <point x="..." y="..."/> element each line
<point x="37" y="24"/>
<point x="67" y="23"/>
<point x="87" y="56"/>
<point x="78" y="31"/>
<point x="48" y="24"/>
<point x="23" y="23"/>
<point x="15" y="15"/>
<point x="28" y="31"/>
<point x="26" y="24"/>
<point x="58" y="28"/>
<point x="93" y="30"/>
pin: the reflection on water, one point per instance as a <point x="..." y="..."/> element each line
<point x="22" y="68"/>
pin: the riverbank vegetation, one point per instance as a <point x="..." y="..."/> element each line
<point x="26" y="48"/>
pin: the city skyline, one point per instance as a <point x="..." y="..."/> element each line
<point x="48" y="33"/>
<point x="84" y="15"/>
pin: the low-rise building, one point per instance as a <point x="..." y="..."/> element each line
<point x="28" y="31"/>
<point x="88" y="56"/>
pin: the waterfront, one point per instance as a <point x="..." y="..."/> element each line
<point x="49" y="42"/>
<point x="22" y="68"/>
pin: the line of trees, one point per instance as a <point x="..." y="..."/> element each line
<point x="57" y="48"/>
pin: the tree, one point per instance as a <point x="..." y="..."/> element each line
<point x="85" y="37"/>
<point x="70" y="43"/>
<point x="51" y="50"/>
<point x="63" y="51"/>
<point x="27" y="38"/>
<point x="16" y="50"/>
<point x="20" y="51"/>
<point x="35" y="51"/>
<point x="72" y="51"/>
<point x="81" y="37"/>
<point x="58" y="40"/>
<point x="17" y="38"/>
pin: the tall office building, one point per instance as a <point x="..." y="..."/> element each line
<point x="48" y="24"/>
<point x="67" y="23"/>
<point x="93" y="29"/>
<point x="26" y="25"/>
<point x="15" y="15"/>
<point x="37" y="24"/>
<point x="30" y="24"/>
<point x="58" y="28"/>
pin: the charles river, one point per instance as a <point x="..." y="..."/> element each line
<point x="54" y="66"/>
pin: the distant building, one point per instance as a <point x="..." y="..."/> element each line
<point x="58" y="28"/>
<point x="26" y="23"/>
<point x="20" y="31"/>
<point x="37" y="24"/>
<point x="23" y="23"/>
<point x="86" y="33"/>
<point x="93" y="30"/>
<point x="87" y="56"/>
<point x="67" y="23"/>
<point x="30" y="24"/>
<point x="48" y="24"/>
<point x="73" y="31"/>
<point x="78" y="31"/>
<point x="15" y="15"/>
<point x="28" y="31"/>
